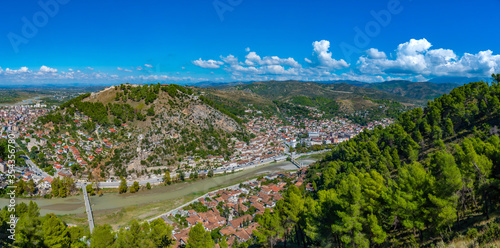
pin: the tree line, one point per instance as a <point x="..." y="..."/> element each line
<point x="423" y="178"/>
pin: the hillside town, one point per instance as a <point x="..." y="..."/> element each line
<point x="232" y="212"/>
<point x="74" y="153"/>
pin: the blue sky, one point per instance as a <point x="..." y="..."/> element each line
<point x="60" y="41"/>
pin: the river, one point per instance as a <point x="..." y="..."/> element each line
<point x="75" y="205"/>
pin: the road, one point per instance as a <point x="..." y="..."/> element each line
<point x="157" y="180"/>
<point x="232" y="187"/>
<point x="33" y="167"/>
<point x="88" y="208"/>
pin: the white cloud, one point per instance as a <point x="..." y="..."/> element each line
<point x="210" y="64"/>
<point x="183" y="68"/>
<point x="23" y="69"/>
<point x="139" y="68"/>
<point x="46" y="69"/>
<point x="416" y="58"/>
<point x="278" y="70"/>
<point x="247" y="49"/>
<point x="230" y="59"/>
<point x="323" y="58"/>
<point x="148" y="65"/>
<point x="253" y="59"/>
<point x="89" y="68"/>
<point x="375" y="54"/>
<point x="122" y="69"/>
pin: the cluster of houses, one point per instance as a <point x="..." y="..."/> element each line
<point x="310" y="132"/>
<point x="232" y="211"/>
<point x="61" y="152"/>
<point x="264" y="147"/>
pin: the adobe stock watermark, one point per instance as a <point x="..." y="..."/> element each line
<point x="11" y="188"/>
<point x="223" y="6"/>
<point x="30" y="27"/>
<point x="363" y="36"/>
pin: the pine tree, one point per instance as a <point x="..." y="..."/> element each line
<point x="160" y="233"/>
<point x="102" y="236"/>
<point x="55" y="233"/>
<point x="269" y="229"/>
<point x="28" y="233"/>
<point x="223" y="243"/>
<point x="199" y="238"/>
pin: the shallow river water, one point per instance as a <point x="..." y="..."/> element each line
<point x="75" y="204"/>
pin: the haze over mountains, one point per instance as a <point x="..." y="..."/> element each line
<point x="405" y="89"/>
<point x="429" y="90"/>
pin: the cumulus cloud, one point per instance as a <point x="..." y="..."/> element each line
<point x="415" y="58"/>
<point x="122" y="69"/>
<point x="375" y="54"/>
<point x="253" y="59"/>
<point x="46" y="69"/>
<point x="230" y="59"/>
<point x="247" y="49"/>
<point x="209" y="64"/>
<point x="323" y="58"/>
<point x="23" y="69"/>
<point x="90" y="68"/>
<point x="148" y="65"/>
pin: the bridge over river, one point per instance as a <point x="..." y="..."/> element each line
<point x="88" y="208"/>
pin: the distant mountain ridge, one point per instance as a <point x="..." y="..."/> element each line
<point x="420" y="91"/>
<point x="414" y="90"/>
<point x="458" y="80"/>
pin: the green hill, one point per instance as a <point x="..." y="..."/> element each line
<point x="432" y="177"/>
<point x="149" y="126"/>
<point x="279" y="90"/>
<point x="414" y="90"/>
<point x="292" y="98"/>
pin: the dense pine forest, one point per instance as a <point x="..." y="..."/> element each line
<point x="432" y="178"/>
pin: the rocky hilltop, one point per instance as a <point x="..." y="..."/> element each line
<point x="128" y="129"/>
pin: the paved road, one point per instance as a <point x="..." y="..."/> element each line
<point x="220" y="170"/>
<point x="232" y="187"/>
<point x="88" y="208"/>
<point x="33" y="167"/>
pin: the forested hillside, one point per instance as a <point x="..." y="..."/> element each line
<point x="414" y="90"/>
<point x="432" y="177"/>
<point x="308" y="100"/>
